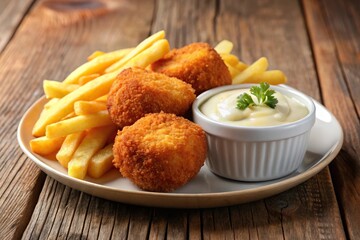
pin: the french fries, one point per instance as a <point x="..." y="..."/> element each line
<point x="101" y="162"/>
<point x="102" y="99"/>
<point x="75" y="123"/>
<point x="95" y="55"/>
<point x="68" y="147"/>
<point x="97" y="87"/>
<point x="241" y="66"/>
<point x="55" y="89"/>
<point x="44" y="145"/>
<point x="88" y="78"/>
<point x="230" y="59"/>
<point x="92" y="142"/>
<point x="233" y="71"/>
<point x="149" y="55"/>
<point x="271" y="76"/>
<point x="96" y="65"/>
<point x="250" y="72"/>
<point x="224" y="46"/>
<point x="88" y="107"/>
<point x="141" y="47"/>
<point x="242" y="73"/>
<point x="50" y="103"/>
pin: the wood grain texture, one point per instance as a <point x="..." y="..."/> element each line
<point x="334" y="32"/>
<point x="12" y="13"/>
<point x="54" y="38"/>
<point x="262" y="28"/>
<point x="258" y="29"/>
<point x="186" y="21"/>
<point x="274" y="29"/>
<point x="67" y="31"/>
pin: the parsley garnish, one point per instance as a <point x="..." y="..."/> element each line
<point x="263" y="94"/>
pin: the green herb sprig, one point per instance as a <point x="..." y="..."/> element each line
<point x="264" y="96"/>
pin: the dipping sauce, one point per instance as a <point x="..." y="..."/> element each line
<point x="222" y="108"/>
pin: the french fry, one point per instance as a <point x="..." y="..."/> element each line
<point x="50" y="103"/>
<point x="149" y="55"/>
<point x="97" y="87"/>
<point x="230" y="59"/>
<point x="101" y="162"/>
<point x="68" y="147"/>
<point x="102" y="98"/>
<point x="139" y="48"/>
<point x="90" y="91"/>
<point x="88" y="107"/>
<point x="55" y="89"/>
<point x="92" y="142"/>
<point x="70" y="115"/>
<point x="272" y="77"/>
<point x="235" y="66"/>
<point x="47" y="106"/>
<point x="241" y="66"/>
<point x="250" y="72"/>
<point x="44" y="145"/>
<point x="96" y="65"/>
<point x="77" y="124"/>
<point x="233" y="71"/>
<point x="85" y="79"/>
<point x="224" y="46"/>
<point x="95" y="55"/>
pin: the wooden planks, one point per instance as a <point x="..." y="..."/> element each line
<point x="186" y="21"/>
<point x="54" y="38"/>
<point x="262" y="28"/>
<point x="12" y="13"/>
<point x="67" y="31"/>
<point x="334" y="32"/>
<point x="12" y="160"/>
<point x="299" y="214"/>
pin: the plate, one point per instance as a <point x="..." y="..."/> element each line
<point x="206" y="189"/>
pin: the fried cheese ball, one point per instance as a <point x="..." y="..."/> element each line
<point x="137" y="92"/>
<point x="197" y="64"/>
<point x="160" y="152"/>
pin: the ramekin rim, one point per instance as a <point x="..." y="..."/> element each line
<point x="203" y="97"/>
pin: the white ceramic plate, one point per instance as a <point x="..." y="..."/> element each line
<point x="207" y="189"/>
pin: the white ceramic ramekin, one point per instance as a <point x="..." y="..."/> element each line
<point x="255" y="153"/>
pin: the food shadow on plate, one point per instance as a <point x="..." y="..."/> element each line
<point x="208" y="182"/>
<point x="110" y="176"/>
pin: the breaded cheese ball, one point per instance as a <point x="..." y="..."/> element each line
<point x="197" y="64"/>
<point x="160" y="152"/>
<point x="137" y="91"/>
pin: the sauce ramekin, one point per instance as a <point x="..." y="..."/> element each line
<point x="256" y="153"/>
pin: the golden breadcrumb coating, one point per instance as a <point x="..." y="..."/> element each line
<point x="137" y="92"/>
<point x="160" y="152"/>
<point x="198" y="64"/>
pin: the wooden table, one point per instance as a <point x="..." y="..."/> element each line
<point x="315" y="42"/>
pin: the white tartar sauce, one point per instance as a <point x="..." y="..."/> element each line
<point x="222" y="108"/>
